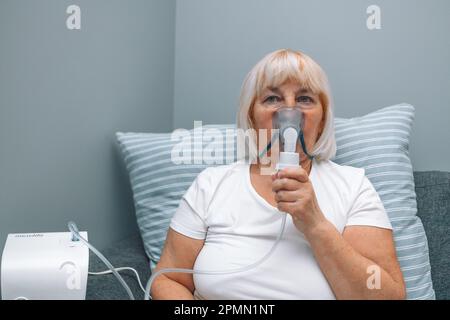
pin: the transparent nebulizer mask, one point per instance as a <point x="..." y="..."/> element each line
<point x="288" y="124"/>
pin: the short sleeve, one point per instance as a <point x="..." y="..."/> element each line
<point x="368" y="209"/>
<point x="190" y="217"/>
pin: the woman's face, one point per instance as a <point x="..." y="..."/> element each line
<point x="290" y="94"/>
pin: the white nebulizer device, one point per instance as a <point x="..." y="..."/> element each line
<point x="289" y="122"/>
<point x="44" y="266"/>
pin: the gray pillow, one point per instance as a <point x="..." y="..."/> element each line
<point x="433" y="205"/>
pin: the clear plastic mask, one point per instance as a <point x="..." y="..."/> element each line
<point x="289" y="122"/>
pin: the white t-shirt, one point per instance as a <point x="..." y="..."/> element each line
<point x="240" y="227"/>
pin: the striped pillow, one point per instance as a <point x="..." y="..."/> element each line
<point x="378" y="142"/>
<point x="158" y="183"/>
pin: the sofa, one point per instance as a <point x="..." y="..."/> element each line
<point x="433" y="204"/>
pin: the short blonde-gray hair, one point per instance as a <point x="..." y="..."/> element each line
<point x="274" y="70"/>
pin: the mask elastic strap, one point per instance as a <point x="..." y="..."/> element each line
<point x="269" y="146"/>
<point x="302" y="142"/>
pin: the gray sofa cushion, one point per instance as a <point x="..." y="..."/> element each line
<point x="433" y="205"/>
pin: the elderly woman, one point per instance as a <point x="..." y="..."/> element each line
<point x="338" y="241"/>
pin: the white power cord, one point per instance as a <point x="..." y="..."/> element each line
<point x="118" y="270"/>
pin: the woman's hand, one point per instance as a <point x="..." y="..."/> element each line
<point x="295" y="195"/>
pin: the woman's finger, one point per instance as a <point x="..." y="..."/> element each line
<point x="285" y="184"/>
<point x="297" y="173"/>
<point x="287" y="207"/>
<point x="287" y="196"/>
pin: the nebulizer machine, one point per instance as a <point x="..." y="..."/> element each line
<point x="18" y="257"/>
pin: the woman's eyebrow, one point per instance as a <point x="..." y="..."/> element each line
<point x="300" y="91"/>
<point x="304" y="90"/>
<point x="274" y="89"/>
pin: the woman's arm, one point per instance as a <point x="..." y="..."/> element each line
<point x="351" y="262"/>
<point x="179" y="251"/>
<point x="345" y="259"/>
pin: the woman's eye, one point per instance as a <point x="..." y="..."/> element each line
<point x="305" y="99"/>
<point x="272" y="99"/>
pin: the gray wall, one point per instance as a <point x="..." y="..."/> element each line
<point x="63" y="95"/>
<point x="217" y="43"/>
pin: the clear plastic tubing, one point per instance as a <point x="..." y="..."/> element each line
<point x="76" y="236"/>
<point x="246" y="268"/>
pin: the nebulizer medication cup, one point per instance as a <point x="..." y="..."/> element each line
<point x="288" y="121"/>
